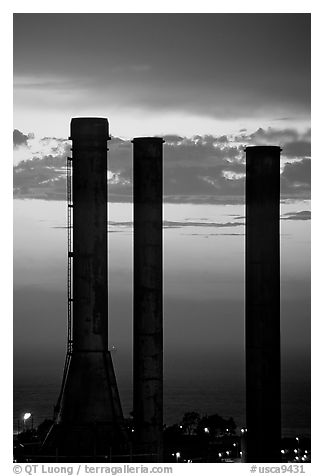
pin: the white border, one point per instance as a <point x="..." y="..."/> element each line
<point x="202" y="6"/>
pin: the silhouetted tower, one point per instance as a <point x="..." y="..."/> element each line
<point x="148" y="317"/>
<point x="262" y="312"/>
<point x="89" y="416"/>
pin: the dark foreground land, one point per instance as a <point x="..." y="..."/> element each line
<point x="210" y="439"/>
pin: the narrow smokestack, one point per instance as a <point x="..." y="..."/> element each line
<point x="148" y="318"/>
<point x="89" y="416"/>
<point x="262" y="312"/>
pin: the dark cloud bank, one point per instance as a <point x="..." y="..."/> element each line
<point x="216" y="65"/>
<point x="200" y="169"/>
<point x="20" y="139"/>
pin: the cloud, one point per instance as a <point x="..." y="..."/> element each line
<point x="293" y="143"/>
<point x="20" y="139"/>
<point x="303" y="215"/>
<point x="296" y="178"/>
<point x="172" y="139"/>
<point x="31" y="148"/>
<point x="125" y="225"/>
<point x="214" y="234"/>
<point x="200" y="169"/>
<point x="297" y="149"/>
<point x="270" y="136"/>
<point x="183" y="224"/>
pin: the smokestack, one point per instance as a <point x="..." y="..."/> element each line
<point x="148" y="318"/>
<point x="262" y="312"/>
<point x="89" y="415"/>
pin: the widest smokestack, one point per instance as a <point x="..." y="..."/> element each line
<point x="148" y="318"/>
<point x="89" y="415"/>
<point x="90" y="285"/>
<point x="262" y="312"/>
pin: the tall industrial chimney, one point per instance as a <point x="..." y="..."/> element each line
<point x="89" y="416"/>
<point x="262" y="312"/>
<point x="148" y="317"/>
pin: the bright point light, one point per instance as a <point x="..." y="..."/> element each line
<point x="295" y="451"/>
<point x="26" y="416"/>
<point x="226" y="429"/>
<point x="178" y="455"/>
<point x="283" y="451"/>
<point x="297" y="438"/>
<point x="234" y="444"/>
<point x="172" y="454"/>
<point x="180" y="426"/>
<point x="220" y="455"/>
<point x="206" y="430"/>
<point x="306" y="452"/>
<point x="241" y="453"/>
<point x="297" y="458"/>
<point x="227" y="452"/>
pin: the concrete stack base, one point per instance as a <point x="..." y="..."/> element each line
<point x="77" y="443"/>
<point x="89" y="417"/>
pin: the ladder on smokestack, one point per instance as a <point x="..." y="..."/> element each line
<point x="70" y="254"/>
<point x="69" y="280"/>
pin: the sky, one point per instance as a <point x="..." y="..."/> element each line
<point x="162" y="73"/>
<point x="210" y="85"/>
